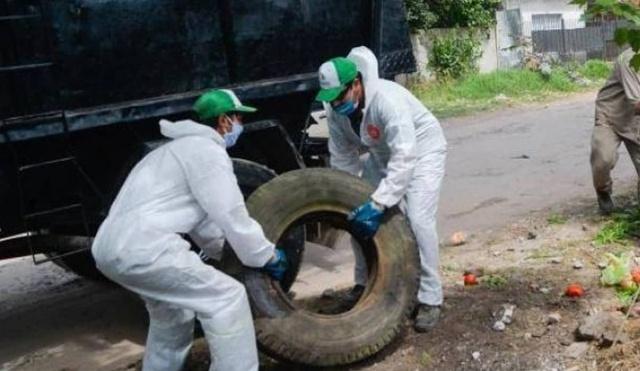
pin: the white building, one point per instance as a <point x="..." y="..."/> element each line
<point x="537" y="15"/>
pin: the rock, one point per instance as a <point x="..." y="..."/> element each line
<point x="566" y="342"/>
<point x="475" y="355"/>
<point x="635" y="311"/>
<point x="545" y="69"/>
<point x="527" y="335"/>
<point x="407" y="351"/>
<point x="520" y="239"/>
<point x="499" y="326"/>
<point x="556" y="260"/>
<point x="576" y="350"/>
<point x="553" y="318"/>
<point x="602" y="327"/>
<point x="534" y="287"/>
<point x="545" y="290"/>
<point x="531" y="236"/>
<point x="602" y="265"/>
<point x="577" y="264"/>
<point x="585" y="228"/>
<point x="539" y="334"/>
<point x="496" y="253"/>
<point x="501" y="98"/>
<point x="457" y="239"/>
<point x="505" y="315"/>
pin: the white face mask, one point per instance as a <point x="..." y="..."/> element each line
<point x="231" y="137"/>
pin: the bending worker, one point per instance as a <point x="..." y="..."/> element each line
<point x="616" y="121"/>
<point x="187" y="186"/>
<point x="406" y="163"/>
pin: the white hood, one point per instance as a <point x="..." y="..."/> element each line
<point x="185" y="128"/>
<point x="366" y="62"/>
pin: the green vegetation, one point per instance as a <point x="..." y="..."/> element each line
<point x="454" y="56"/>
<point x="626" y="296"/>
<point x="425" y="359"/>
<point x="595" y="69"/>
<point x="627" y="10"/>
<point x="425" y="14"/>
<point x="620" y="229"/>
<point x="556" y="219"/>
<point x="479" y="92"/>
<point x="495" y="281"/>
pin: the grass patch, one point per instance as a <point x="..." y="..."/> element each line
<point x="425" y="359"/>
<point x="499" y="88"/>
<point x="542" y="253"/>
<point x="495" y="281"/>
<point x="595" y="69"/>
<point x="620" y="229"/>
<point x="556" y="219"/>
<point x="626" y="296"/>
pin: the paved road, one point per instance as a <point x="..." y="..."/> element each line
<point x="501" y="165"/>
<point x="504" y="164"/>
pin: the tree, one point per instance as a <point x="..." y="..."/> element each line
<point x="425" y="14"/>
<point x="627" y="10"/>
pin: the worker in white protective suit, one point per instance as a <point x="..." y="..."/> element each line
<point x="187" y="186"/>
<point x="406" y="163"/>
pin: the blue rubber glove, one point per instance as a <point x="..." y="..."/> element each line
<point x="277" y="266"/>
<point x="366" y="219"/>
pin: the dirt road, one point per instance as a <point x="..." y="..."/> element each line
<point x="501" y="166"/>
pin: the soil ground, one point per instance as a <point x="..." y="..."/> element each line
<point x="528" y="264"/>
<point x="508" y="172"/>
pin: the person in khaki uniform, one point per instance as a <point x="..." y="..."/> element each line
<point x="616" y="122"/>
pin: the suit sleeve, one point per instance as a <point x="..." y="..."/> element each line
<point x="400" y="136"/>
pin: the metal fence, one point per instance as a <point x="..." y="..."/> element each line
<point x="574" y="40"/>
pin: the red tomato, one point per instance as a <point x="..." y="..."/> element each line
<point x="470" y="279"/>
<point x="574" y="290"/>
<point x="635" y="274"/>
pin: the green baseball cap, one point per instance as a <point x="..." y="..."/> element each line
<point x="334" y="77"/>
<point x="218" y="102"/>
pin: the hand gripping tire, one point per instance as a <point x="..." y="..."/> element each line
<point x="299" y="336"/>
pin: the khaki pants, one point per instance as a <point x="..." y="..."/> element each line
<point x="604" y="150"/>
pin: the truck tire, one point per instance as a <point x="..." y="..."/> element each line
<point x="296" y="335"/>
<point x="250" y="176"/>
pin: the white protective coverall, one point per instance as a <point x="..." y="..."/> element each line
<point x="186" y="186"/>
<point x="407" y="152"/>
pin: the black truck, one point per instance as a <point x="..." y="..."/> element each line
<point x="83" y="84"/>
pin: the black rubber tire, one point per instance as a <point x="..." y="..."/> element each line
<point x="298" y="336"/>
<point x="250" y="176"/>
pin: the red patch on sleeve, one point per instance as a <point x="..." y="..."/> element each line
<point x="373" y="131"/>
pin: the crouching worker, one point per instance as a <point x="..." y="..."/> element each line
<point x="187" y="186"/>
